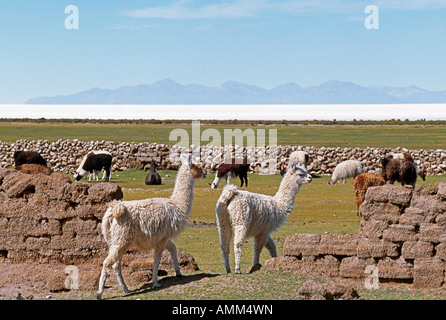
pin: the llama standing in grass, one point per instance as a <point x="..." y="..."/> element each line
<point x="346" y="169"/>
<point x="398" y="170"/>
<point x="229" y="170"/>
<point x="148" y="224"/>
<point x="401" y="156"/>
<point x="256" y="215"/>
<point x="153" y="177"/>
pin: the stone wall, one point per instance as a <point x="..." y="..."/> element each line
<point x="402" y="234"/>
<point x="65" y="155"/>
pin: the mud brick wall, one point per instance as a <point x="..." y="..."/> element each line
<point x="49" y="218"/>
<point x="402" y="233"/>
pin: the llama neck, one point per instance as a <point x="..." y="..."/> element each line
<point x="183" y="193"/>
<point x="287" y="192"/>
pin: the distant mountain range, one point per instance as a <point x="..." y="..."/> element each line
<point x="170" y="92"/>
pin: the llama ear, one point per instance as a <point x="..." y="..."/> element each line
<point x="185" y="158"/>
<point x="295" y="165"/>
<point x="292" y="165"/>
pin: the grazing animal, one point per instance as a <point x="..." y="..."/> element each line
<point x="153" y="178"/>
<point x="32" y="168"/>
<point x="421" y="173"/>
<point x="360" y="185"/>
<point x="232" y="169"/>
<point x="346" y="169"/>
<point x="92" y="163"/>
<point x="27" y="157"/>
<point x="256" y="215"/>
<point x="399" y="170"/>
<point x="148" y="224"/>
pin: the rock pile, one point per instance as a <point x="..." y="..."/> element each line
<point x="402" y="237"/>
<point x="65" y="155"/>
<point x="313" y="290"/>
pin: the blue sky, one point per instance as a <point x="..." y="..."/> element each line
<point x="260" y="42"/>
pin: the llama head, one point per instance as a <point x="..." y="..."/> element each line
<point x="197" y="171"/>
<point x="185" y="159"/>
<point x="422" y="174"/>
<point x="300" y="172"/>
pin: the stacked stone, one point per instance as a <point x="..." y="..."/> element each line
<point x="66" y="155"/>
<point x="402" y="235"/>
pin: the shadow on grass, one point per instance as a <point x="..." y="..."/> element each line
<point x="166" y="282"/>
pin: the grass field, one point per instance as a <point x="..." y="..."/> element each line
<point x="389" y="136"/>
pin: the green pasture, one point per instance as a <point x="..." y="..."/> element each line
<point x="410" y="136"/>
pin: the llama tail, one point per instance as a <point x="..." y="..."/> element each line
<point x="229" y="191"/>
<point x="114" y="211"/>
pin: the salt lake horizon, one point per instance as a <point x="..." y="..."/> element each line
<point x="276" y="112"/>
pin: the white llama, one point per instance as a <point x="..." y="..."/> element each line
<point x="256" y="215"/>
<point x="345" y="170"/>
<point x="148" y="224"/>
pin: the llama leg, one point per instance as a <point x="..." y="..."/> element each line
<point x="225" y="240"/>
<point x="239" y="238"/>
<point x="271" y="247"/>
<point x="228" y="178"/>
<point x="107" y="174"/>
<point x="259" y="243"/>
<point x="117" y="270"/>
<point x="156" y="262"/>
<point x="173" y="253"/>
<point x="112" y="258"/>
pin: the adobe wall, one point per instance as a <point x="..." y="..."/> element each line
<point x="48" y="223"/>
<point x="402" y="234"/>
<point x="50" y="219"/>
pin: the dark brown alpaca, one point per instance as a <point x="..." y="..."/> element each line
<point x="153" y="178"/>
<point x="26" y="157"/>
<point x="401" y="170"/>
